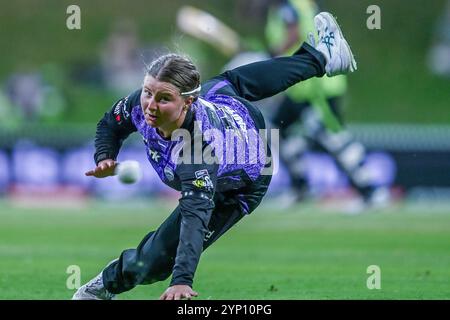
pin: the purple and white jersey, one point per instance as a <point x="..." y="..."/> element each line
<point x="220" y="126"/>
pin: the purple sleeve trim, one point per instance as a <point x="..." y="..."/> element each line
<point x="217" y="86"/>
<point x="244" y="205"/>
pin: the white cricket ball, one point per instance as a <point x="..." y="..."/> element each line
<point x="129" y="171"/>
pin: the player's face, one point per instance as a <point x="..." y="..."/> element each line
<point x="161" y="103"/>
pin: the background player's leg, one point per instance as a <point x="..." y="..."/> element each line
<point x="287" y="113"/>
<point x="349" y="154"/>
<point x="293" y="145"/>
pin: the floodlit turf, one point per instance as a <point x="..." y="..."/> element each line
<point x="298" y="254"/>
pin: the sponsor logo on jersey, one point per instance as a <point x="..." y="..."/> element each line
<point x="120" y="110"/>
<point x="118" y="107"/>
<point x="125" y="112"/>
<point x="203" y="180"/>
<point x="168" y="172"/>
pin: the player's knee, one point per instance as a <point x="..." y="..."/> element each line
<point x="158" y="268"/>
<point x="157" y="273"/>
<point x="158" y="277"/>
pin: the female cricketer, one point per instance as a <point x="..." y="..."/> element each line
<point x="216" y="190"/>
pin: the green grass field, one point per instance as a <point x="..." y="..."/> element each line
<point x="300" y="254"/>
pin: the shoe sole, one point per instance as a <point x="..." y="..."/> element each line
<point x="329" y="17"/>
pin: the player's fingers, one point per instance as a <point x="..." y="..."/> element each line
<point x="90" y="173"/>
<point x="163" y="296"/>
<point x="107" y="168"/>
<point x="169" y="296"/>
<point x="109" y="164"/>
<point x="98" y="172"/>
<point x="194" y="293"/>
<point x="187" y="296"/>
<point x="177" y="296"/>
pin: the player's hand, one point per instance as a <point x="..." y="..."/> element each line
<point x="105" y="168"/>
<point x="178" y="292"/>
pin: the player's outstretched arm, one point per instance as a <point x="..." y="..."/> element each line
<point x="115" y="126"/>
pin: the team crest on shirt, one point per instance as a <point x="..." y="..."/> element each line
<point x="168" y="172"/>
<point x="203" y="180"/>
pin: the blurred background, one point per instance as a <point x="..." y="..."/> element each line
<point x="56" y="83"/>
<point x="394" y="115"/>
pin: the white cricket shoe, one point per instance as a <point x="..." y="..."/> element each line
<point x="332" y="44"/>
<point x="93" y="290"/>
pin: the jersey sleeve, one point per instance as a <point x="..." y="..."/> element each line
<point x="198" y="183"/>
<point x="115" y="126"/>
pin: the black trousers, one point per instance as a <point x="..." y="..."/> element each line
<point x="154" y="258"/>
